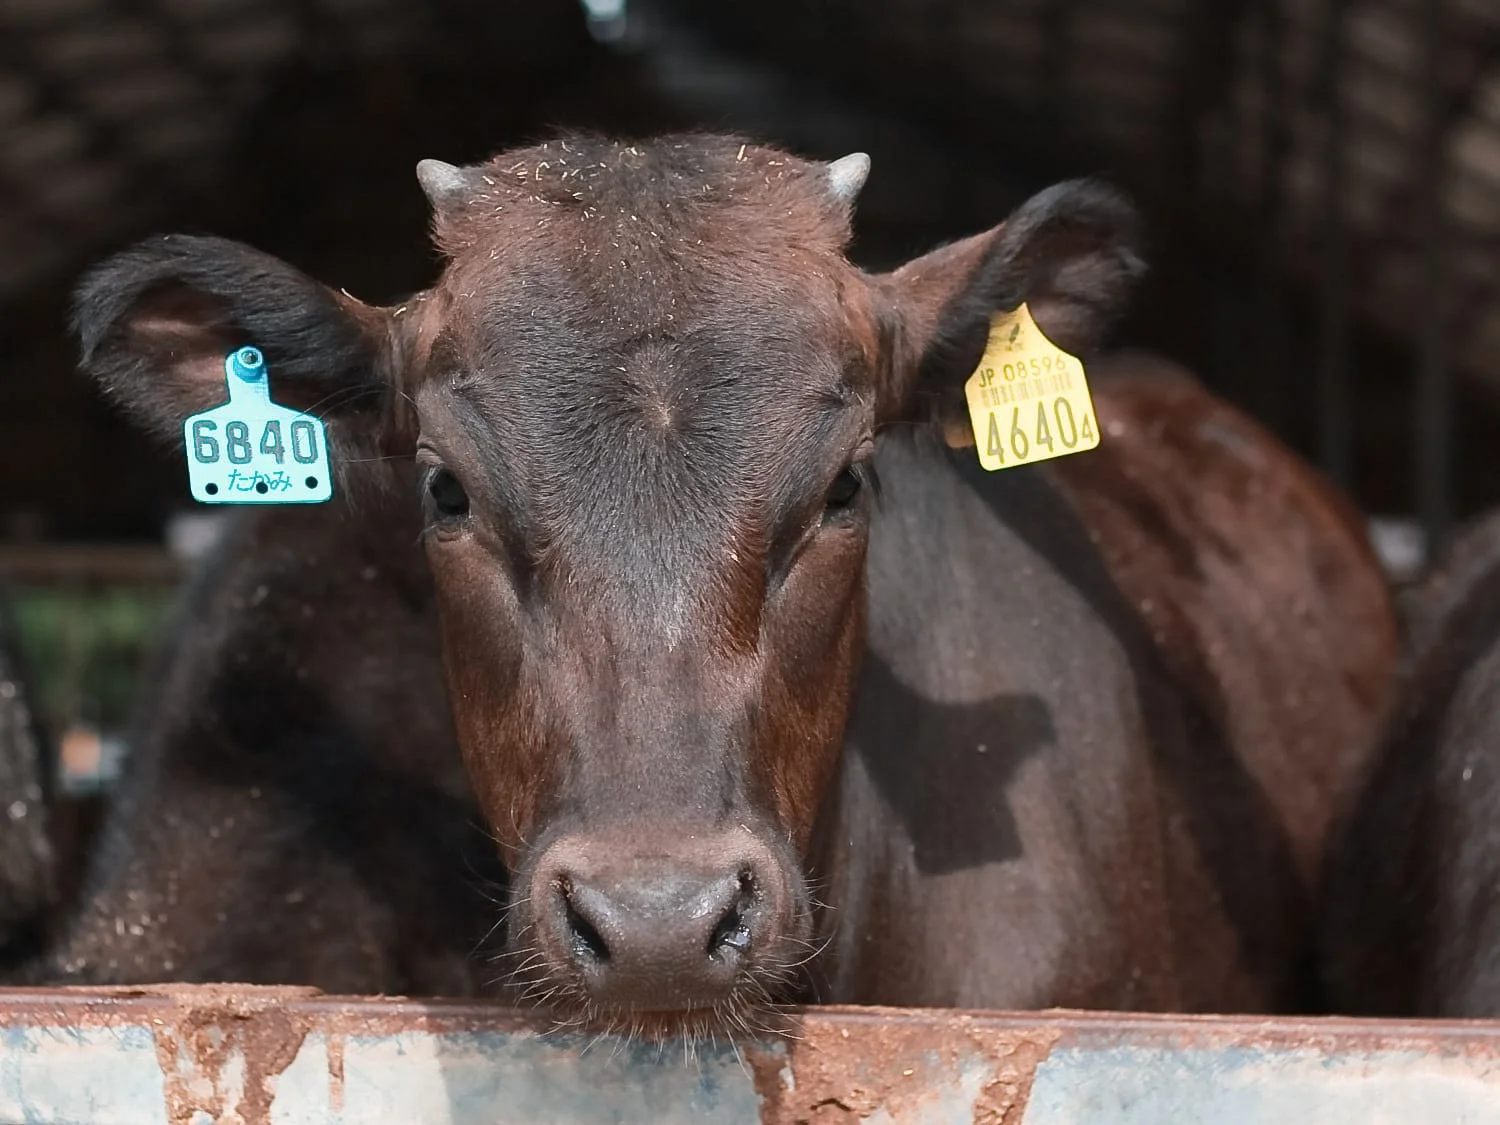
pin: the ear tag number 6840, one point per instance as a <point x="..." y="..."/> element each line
<point x="252" y="451"/>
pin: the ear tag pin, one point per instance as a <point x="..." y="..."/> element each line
<point x="251" y="450"/>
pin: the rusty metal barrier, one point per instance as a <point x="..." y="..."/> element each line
<point x="194" y="1055"/>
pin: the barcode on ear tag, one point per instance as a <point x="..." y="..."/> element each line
<point x="1028" y="399"/>
<point x="252" y="451"/>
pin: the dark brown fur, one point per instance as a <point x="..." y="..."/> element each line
<point x="1265" y="602"/>
<point x="1280" y="627"/>
<point x="1411" y="925"/>
<point x="295" y="810"/>
<point x="648" y="403"/>
<point x="29" y="864"/>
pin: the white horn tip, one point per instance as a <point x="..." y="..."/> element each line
<point x="846" y="176"/>
<point x="442" y="182"/>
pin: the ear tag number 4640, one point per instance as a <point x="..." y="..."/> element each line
<point x="1028" y="399"/>
<point x="252" y="451"/>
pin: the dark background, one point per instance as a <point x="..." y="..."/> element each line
<point x="1320" y="179"/>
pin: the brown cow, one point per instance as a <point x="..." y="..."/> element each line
<point x="1411" y="924"/>
<point x="744" y="726"/>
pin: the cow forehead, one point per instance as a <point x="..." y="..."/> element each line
<point x="696" y="423"/>
<point x="654" y="326"/>
<point x="665" y="346"/>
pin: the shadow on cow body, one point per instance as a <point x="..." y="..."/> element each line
<point x="648" y="406"/>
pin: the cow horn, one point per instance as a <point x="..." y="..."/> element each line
<point x="445" y="184"/>
<point x="846" y="176"/>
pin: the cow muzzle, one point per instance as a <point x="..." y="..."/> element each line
<point x="669" y="930"/>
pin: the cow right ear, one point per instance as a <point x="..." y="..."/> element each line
<point x="157" y="321"/>
<point x="1072" y="253"/>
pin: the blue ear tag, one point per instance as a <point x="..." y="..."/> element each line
<point x="251" y="451"/>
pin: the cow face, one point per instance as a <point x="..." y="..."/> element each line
<point x="642" y="405"/>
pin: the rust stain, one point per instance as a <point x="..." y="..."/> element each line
<point x="768" y="1073"/>
<point x="336" y="1072"/>
<point x="1003" y="1099"/>
<point x="191" y="1064"/>
<point x="206" y="1028"/>
<point x="846" y="1070"/>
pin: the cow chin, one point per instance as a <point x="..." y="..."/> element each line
<point x="754" y="1011"/>
<point x="697" y="934"/>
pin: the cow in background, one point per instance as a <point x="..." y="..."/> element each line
<point x="29" y="873"/>
<point x="1411" y="924"/>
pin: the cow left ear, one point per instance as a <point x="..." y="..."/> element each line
<point x="1072" y="253"/>
<point x="156" y="322"/>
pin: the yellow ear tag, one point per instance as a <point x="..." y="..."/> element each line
<point x="1028" y="399"/>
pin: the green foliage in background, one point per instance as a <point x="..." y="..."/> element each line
<point x="86" y="649"/>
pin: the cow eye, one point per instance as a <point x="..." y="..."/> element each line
<point x="844" y="490"/>
<point x="448" y="496"/>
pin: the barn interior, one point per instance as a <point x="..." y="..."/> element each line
<point x="1321" y="180"/>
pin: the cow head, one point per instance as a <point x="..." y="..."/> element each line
<point x="642" y="404"/>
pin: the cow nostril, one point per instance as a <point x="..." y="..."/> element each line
<point x="588" y="943"/>
<point x="731" y="937"/>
